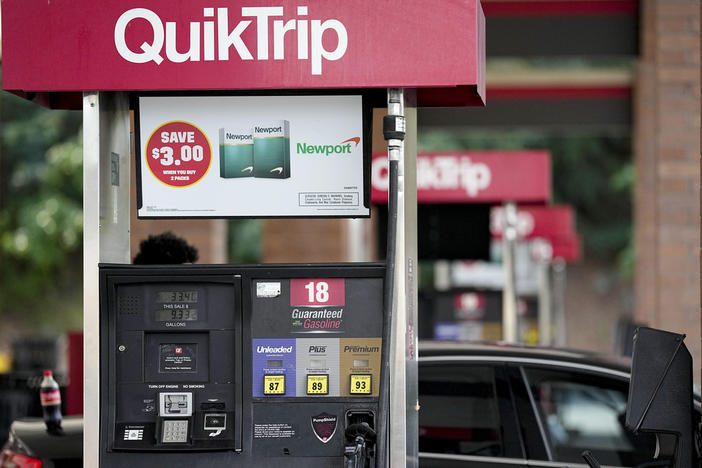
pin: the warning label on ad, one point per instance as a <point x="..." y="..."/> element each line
<point x="329" y="198"/>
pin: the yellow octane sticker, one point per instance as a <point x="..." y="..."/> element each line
<point x="317" y="384"/>
<point x="274" y="384"/>
<point x="360" y="384"/>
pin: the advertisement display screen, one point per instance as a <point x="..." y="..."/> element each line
<point x="252" y="156"/>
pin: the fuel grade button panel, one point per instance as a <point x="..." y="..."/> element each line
<point x="274" y="384"/>
<point x="361" y="384"/>
<point x="317" y="384"/>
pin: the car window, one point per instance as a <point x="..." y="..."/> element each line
<point x="459" y="412"/>
<point x="581" y="412"/>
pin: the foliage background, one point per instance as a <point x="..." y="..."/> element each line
<point x="41" y="222"/>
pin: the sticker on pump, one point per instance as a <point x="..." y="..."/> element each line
<point x="274" y="384"/>
<point x="361" y="384"/>
<point x="317" y="384"/>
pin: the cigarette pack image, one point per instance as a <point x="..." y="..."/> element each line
<point x="235" y="153"/>
<point x="271" y="149"/>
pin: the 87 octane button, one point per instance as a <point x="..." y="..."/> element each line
<point x="274" y="384"/>
<point x="360" y="384"/>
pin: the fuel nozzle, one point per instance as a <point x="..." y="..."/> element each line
<point x="360" y="442"/>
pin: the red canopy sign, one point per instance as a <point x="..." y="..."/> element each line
<point x="536" y="221"/>
<point x="75" y="45"/>
<point x="473" y="177"/>
<point x="555" y="224"/>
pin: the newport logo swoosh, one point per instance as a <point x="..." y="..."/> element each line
<point x="279" y="169"/>
<point x="249" y="169"/>
<point x="356" y="140"/>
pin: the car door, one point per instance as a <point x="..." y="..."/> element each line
<point x="466" y="416"/>
<point x="579" y="409"/>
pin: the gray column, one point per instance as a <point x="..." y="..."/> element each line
<point x="106" y="160"/>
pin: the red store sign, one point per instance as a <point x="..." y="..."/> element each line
<point x="114" y="45"/>
<point x="555" y="224"/>
<point x="536" y="221"/>
<point x="473" y="177"/>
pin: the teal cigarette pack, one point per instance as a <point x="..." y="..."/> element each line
<point x="235" y="153"/>
<point x="271" y="149"/>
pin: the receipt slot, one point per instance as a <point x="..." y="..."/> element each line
<point x="248" y="366"/>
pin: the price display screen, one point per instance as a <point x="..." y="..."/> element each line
<point x="165" y="315"/>
<point x="177" y="296"/>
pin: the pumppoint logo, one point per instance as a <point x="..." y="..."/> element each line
<point x="309" y="35"/>
<point x="345" y="147"/>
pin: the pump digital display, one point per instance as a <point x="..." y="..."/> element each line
<point x="166" y="315"/>
<point x="177" y="358"/>
<point x="177" y="296"/>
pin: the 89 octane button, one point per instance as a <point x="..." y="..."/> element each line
<point x="317" y="384"/>
<point x="360" y="384"/>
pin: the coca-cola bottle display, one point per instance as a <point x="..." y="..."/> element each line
<point x="51" y="402"/>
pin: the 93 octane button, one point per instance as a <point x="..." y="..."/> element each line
<point x="360" y="384"/>
<point x="317" y="384"/>
<point x="274" y="384"/>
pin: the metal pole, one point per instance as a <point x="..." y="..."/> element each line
<point x="442" y="275"/>
<point x="106" y="162"/>
<point x="403" y="405"/>
<point x="509" y="292"/>
<point x="546" y="325"/>
<point x="559" y="287"/>
<point x="356" y="245"/>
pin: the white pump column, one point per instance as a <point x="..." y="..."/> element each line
<point x="106" y="162"/>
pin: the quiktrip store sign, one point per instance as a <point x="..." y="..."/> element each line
<point x="473" y="177"/>
<point x="116" y="45"/>
<point x="554" y="224"/>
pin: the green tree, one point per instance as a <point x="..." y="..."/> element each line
<point x="40" y="211"/>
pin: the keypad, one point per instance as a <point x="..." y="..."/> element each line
<point x="175" y="431"/>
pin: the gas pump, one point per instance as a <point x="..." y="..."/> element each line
<point x="259" y="366"/>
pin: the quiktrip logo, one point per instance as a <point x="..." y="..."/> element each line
<point x="310" y="35"/>
<point x="342" y="148"/>
<point x="439" y="173"/>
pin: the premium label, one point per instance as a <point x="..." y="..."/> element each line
<point x="359" y="357"/>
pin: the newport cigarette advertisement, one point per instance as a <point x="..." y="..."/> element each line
<point x="250" y="156"/>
